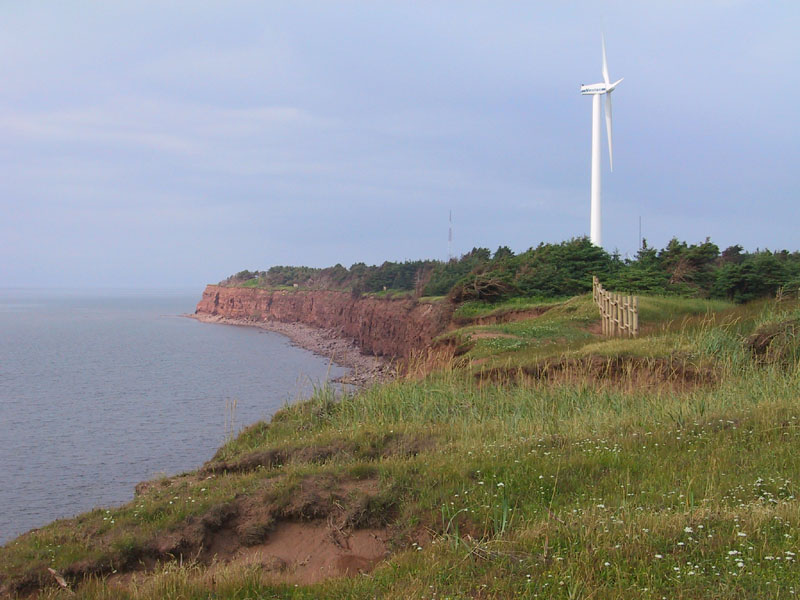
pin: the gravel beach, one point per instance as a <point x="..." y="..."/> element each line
<point x="363" y="369"/>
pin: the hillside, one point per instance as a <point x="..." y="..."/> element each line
<point x="523" y="456"/>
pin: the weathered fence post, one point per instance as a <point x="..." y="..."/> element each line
<point x="619" y="315"/>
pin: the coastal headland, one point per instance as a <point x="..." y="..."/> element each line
<point x="544" y="460"/>
<point x="365" y="334"/>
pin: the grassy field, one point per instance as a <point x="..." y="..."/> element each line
<point x="544" y="462"/>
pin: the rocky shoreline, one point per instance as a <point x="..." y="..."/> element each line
<point x="363" y="369"/>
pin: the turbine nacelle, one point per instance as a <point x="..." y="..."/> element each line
<point x="594" y="88"/>
<point x="599" y="88"/>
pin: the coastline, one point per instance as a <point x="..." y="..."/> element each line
<point x="363" y="369"/>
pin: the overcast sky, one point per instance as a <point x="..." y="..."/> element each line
<point x="174" y="143"/>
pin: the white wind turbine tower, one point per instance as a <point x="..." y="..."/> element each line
<point x="596" y="90"/>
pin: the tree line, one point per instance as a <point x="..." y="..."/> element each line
<point x="551" y="270"/>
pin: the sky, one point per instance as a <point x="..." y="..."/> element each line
<point x="171" y="144"/>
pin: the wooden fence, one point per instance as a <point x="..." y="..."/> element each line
<point x="619" y="314"/>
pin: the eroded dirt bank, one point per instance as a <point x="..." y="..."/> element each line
<point x="385" y="327"/>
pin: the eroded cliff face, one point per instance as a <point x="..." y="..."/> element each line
<point x="386" y="327"/>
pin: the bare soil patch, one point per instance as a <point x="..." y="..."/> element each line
<point x="630" y="373"/>
<point x="323" y="527"/>
<point x="311" y="552"/>
<point x="595" y="328"/>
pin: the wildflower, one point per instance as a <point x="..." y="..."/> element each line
<point x="688" y="529"/>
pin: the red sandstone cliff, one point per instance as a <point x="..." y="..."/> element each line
<point x="382" y="326"/>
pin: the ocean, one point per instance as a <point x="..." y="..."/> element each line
<point x="102" y="390"/>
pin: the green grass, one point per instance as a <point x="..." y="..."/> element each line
<point x="479" y="308"/>
<point x="430" y="299"/>
<point x="653" y="309"/>
<point x="566" y="330"/>
<point x="257" y="283"/>
<point x="390" y="293"/>
<point x="563" y="326"/>
<point x="524" y="489"/>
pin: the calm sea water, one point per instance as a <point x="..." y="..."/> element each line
<point x="101" y="391"/>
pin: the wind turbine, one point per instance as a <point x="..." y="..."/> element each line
<point x="596" y="90"/>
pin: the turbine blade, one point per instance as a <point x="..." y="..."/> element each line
<point x="608" y="130"/>
<point x="606" y="78"/>
<point x="614" y="85"/>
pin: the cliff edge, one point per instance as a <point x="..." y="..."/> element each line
<point x="392" y="327"/>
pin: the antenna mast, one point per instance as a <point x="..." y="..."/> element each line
<point x="640" y="232"/>
<point x="450" y="239"/>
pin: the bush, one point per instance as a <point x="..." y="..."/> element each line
<point x="488" y="288"/>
